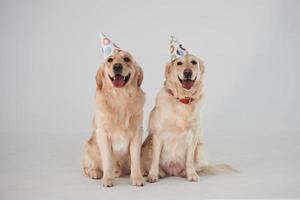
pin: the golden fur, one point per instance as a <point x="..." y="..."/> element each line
<point x="114" y="147"/>
<point x="174" y="146"/>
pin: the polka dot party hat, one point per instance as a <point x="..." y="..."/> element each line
<point x="177" y="50"/>
<point x="108" y="47"/>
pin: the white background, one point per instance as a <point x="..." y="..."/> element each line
<point x="49" y="54"/>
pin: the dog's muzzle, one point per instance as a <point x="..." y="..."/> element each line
<point x="119" y="80"/>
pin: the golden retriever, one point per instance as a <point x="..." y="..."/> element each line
<point x="174" y="146"/>
<point x="115" y="145"/>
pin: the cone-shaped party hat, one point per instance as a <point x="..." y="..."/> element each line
<point x="108" y="47"/>
<point x="176" y="49"/>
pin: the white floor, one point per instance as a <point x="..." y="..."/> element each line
<point x="47" y="166"/>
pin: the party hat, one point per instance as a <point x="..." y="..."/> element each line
<point x="108" y="47"/>
<point x="177" y="49"/>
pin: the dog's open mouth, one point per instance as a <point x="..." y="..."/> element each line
<point x="119" y="81"/>
<point x="187" y="83"/>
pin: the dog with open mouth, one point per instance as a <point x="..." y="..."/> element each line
<point x="115" y="145"/>
<point x="174" y="146"/>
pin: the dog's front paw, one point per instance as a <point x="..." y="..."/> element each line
<point x="193" y="177"/>
<point x="137" y="180"/>
<point x="152" y="178"/>
<point x="107" y="182"/>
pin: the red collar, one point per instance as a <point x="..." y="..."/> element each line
<point x="185" y="100"/>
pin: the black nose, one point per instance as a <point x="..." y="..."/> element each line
<point x="118" y="68"/>
<point x="187" y="73"/>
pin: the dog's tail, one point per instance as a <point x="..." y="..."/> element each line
<point x="211" y="170"/>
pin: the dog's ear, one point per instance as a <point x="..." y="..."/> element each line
<point x="100" y="77"/>
<point x="168" y="69"/>
<point x="201" y="66"/>
<point x="139" y="76"/>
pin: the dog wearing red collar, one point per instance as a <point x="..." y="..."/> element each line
<point x="174" y="146"/>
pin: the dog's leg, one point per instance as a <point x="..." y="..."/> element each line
<point x="200" y="157"/>
<point x="91" y="161"/>
<point x="135" y="155"/>
<point x="154" y="170"/>
<point x="146" y="155"/>
<point x="190" y="169"/>
<point x="106" y="155"/>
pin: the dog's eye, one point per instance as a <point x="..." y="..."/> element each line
<point x="179" y="63"/>
<point x="110" y="60"/>
<point x="194" y="62"/>
<point x="126" y="59"/>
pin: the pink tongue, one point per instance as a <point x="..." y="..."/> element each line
<point x="119" y="82"/>
<point x="187" y="84"/>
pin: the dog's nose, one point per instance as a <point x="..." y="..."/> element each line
<point x="187" y="73"/>
<point x="118" y="67"/>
